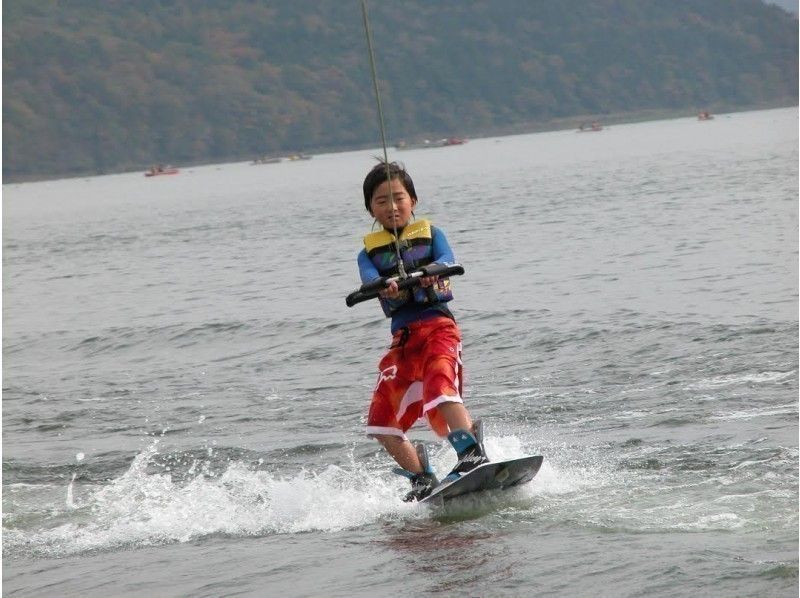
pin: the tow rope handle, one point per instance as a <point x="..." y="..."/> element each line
<point x="371" y="290"/>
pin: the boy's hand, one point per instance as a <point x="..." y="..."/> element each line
<point x="391" y="291"/>
<point x="427" y="281"/>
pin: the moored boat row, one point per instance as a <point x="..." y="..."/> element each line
<point x="427" y="143"/>
<point x="277" y="159"/>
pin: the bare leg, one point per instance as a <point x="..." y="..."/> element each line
<point x="456" y="416"/>
<point x="401" y="451"/>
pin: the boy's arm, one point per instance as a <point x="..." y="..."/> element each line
<point x="366" y="268"/>
<point x="369" y="272"/>
<point x="442" y="253"/>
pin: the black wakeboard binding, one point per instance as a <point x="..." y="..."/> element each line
<point x="423" y="483"/>
<point x="469" y="449"/>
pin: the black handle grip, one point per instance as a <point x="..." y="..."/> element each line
<point x="371" y="289"/>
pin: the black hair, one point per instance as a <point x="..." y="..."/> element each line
<point x="377" y="176"/>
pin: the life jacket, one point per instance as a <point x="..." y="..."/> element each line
<point x="416" y="250"/>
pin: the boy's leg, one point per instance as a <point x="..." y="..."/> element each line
<point x="401" y="451"/>
<point x="423" y="480"/>
<point x="456" y="416"/>
<point x="443" y="381"/>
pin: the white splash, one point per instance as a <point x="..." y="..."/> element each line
<point x="140" y="508"/>
<point x="70" y="493"/>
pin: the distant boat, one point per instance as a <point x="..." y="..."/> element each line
<point x="295" y="157"/>
<point x="590" y="128"/>
<point x="705" y="116"/>
<point x="160" y="170"/>
<point x="266" y="160"/>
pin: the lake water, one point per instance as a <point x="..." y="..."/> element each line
<point x="185" y="392"/>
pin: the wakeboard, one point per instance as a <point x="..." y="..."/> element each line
<point x="497" y="475"/>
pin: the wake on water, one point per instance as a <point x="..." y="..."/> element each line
<point x="151" y="504"/>
<point x="141" y="508"/>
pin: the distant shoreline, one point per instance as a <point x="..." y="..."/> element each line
<point x="539" y="126"/>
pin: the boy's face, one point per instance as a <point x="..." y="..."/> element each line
<point x="391" y="216"/>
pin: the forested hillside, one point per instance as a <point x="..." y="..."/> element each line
<point x="93" y="86"/>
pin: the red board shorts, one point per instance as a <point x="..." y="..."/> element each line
<point x="416" y="376"/>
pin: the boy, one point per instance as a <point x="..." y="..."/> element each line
<point x="421" y="372"/>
